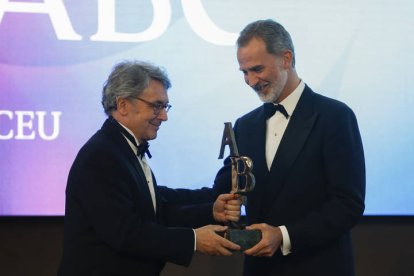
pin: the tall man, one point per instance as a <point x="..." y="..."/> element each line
<point x="308" y="163"/>
<point x="117" y="220"/>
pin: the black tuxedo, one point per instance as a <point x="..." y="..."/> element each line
<point x="111" y="227"/>
<point x="315" y="187"/>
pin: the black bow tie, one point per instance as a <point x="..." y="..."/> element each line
<point x="142" y="148"/>
<point x="270" y="109"/>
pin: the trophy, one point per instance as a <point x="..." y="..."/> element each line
<point x="242" y="183"/>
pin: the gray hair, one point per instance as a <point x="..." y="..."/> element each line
<point x="128" y="80"/>
<point x="275" y="37"/>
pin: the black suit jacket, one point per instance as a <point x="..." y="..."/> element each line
<point x="315" y="187"/>
<point x="110" y="224"/>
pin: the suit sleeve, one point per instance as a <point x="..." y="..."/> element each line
<point x="184" y="207"/>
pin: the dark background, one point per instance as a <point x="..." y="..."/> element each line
<point x="32" y="246"/>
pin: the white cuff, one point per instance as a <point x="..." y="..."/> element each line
<point x="195" y="240"/>
<point x="286" y="245"/>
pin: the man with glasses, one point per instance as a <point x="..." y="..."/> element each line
<point x="117" y="220"/>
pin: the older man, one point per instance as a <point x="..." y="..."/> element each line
<point x="117" y="221"/>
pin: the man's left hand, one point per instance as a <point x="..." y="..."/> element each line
<point x="270" y="242"/>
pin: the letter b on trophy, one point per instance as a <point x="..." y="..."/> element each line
<point x="242" y="183"/>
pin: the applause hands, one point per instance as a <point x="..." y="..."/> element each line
<point x="208" y="241"/>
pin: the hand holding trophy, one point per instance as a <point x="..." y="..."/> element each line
<point x="242" y="183"/>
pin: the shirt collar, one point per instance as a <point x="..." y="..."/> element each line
<point x="290" y="102"/>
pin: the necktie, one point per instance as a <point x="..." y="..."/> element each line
<point x="270" y="109"/>
<point x="142" y="148"/>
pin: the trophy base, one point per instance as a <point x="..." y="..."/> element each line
<point x="245" y="238"/>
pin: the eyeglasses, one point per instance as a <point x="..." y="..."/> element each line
<point x="156" y="106"/>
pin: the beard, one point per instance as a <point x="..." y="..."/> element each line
<point x="276" y="88"/>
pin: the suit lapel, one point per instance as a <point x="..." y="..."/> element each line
<point x="133" y="163"/>
<point x="294" y="138"/>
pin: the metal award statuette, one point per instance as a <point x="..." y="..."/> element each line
<point x="242" y="183"/>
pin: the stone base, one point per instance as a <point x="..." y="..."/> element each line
<point x="245" y="238"/>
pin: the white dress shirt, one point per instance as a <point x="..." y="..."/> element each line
<point x="275" y="128"/>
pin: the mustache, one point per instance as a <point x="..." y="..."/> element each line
<point x="156" y="122"/>
<point x="258" y="87"/>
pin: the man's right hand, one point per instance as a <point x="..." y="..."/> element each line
<point x="210" y="243"/>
